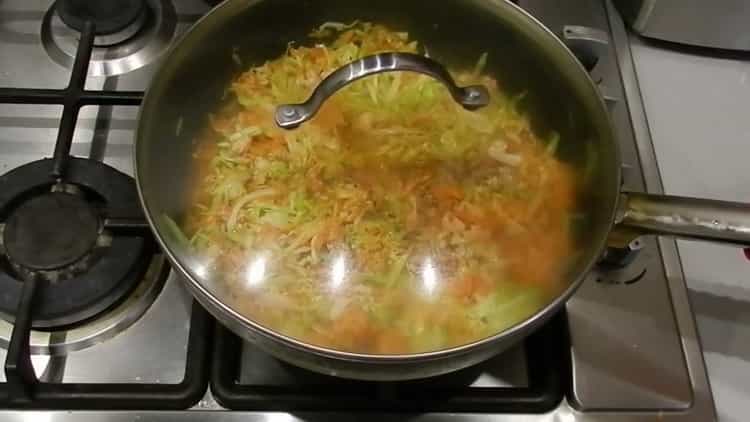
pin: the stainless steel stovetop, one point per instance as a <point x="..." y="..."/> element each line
<point x="634" y="351"/>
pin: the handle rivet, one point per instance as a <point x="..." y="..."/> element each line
<point x="289" y="112"/>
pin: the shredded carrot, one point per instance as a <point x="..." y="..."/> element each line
<point x="266" y="145"/>
<point x="329" y="116"/>
<point x="471" y="214"/>
<point x="391" y="342"/>
<point x="353" y="328"/>
<point x="470" y="286"/>
<point x="447" y="193"/>
<point x="394" y="221"/>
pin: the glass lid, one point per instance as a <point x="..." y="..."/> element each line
<point x="390" y="215"/>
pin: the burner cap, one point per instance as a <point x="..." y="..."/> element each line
<point x="49" y="225"/>
<point x="108" y="16"/>
<point x="51" y="231"/>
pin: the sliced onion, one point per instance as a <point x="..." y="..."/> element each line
<point x="497" y="152"/>
<point x="235" y="215"/>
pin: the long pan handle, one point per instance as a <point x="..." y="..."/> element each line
<point x="290" y="116"/>
<point x="691" y="218"/>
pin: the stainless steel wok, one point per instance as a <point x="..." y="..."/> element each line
<point x="526" y="57"/>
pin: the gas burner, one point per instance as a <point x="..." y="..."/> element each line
<point x="129" y="34"/>
<point x="60" y="341"/>
<point x="108" y="17"/>
<point x="53" y="234"/>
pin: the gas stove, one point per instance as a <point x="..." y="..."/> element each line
<point x="102" y="330"/>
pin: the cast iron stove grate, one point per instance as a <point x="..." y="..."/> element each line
<point x="53" y="213"/>
<point x="280" y="387"/>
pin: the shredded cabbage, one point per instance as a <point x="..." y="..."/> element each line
<point x="173" y="229"/>
<point x="395" y="221"/>
<point x="554" y="142"/>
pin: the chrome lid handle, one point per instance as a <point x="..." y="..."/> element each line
<point x="290" y="116"/>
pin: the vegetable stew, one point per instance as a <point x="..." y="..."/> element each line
<point x="395" y="221"/>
